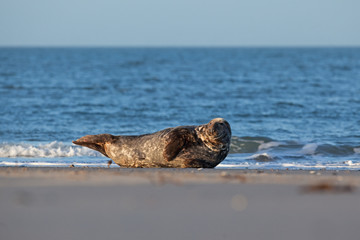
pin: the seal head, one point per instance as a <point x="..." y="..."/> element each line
<point x="216" y="134"/>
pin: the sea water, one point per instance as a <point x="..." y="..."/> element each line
<point x="296" y="108"/>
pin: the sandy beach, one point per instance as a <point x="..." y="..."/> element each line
<point x="100" y="203"/>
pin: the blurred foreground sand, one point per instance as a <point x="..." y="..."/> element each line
<point x="99" y="203"/>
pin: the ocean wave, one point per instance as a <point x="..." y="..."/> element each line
<point x="261" y="157"/>
<point x="250" y="144"/>
<point x="309" y="149"/>
<point x="46" y="150"/>
<point x="268" y="145"/>
<point x="260" y="144"/>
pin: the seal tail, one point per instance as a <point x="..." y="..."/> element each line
<point x="96" y="142"/>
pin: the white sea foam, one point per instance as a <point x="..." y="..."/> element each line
<point x="246" y="161"/>
<point x="47" y="150"/>
<point x="52" y="164"/>
<point x="32" y="164"/>
<point x="309" y="149"/>
<point x="268" y="145"/>
<point x="351" y="163"/>
<point x="260" y="157"/>
<point x="292" y="165"/>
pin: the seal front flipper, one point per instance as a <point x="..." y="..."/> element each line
<point x="96" y="142"/>
<point x="174" y="143"/>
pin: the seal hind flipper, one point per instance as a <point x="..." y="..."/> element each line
<point x="96" y="142"/>
<point x="175" y="141"/>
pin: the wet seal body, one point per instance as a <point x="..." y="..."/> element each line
<point x="203" y="146"/>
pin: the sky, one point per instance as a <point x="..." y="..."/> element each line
<point x="179" y="23"/>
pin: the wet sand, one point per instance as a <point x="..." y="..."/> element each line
<point x="100" y="203"/>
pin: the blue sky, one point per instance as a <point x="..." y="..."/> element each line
<point x="179" y="23"/>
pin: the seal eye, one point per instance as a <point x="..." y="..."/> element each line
<point x="218" y="126"/>
<point x="217" y="130"/>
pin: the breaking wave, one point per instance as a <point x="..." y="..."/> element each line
<point x="47" y="150"/>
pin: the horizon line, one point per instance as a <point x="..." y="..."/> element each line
<point x="179" y="46"/>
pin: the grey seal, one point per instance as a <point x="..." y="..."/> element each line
<point x="202" y="146"/>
